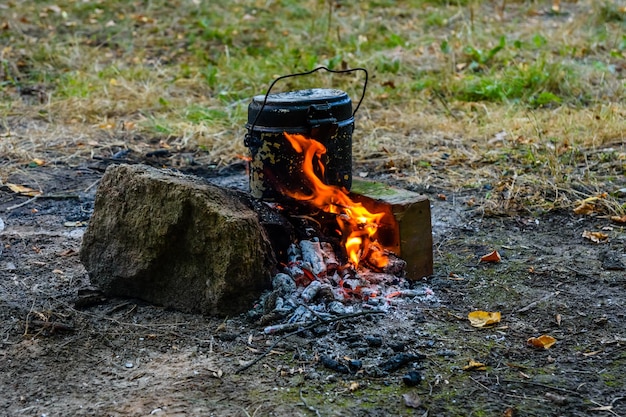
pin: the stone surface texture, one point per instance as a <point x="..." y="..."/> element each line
<point x="177" y="241"/>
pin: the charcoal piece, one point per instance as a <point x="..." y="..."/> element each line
<point x="374" y="341"/>
<point x="325" y="293"/>
<point x="412" y="378"/>
<point x="309" y="293"/>
<point x="336" y="307"/>
<point x="227" y="337"/>
<point x="611" y="261"/>
<point x="399" y="360"/>
<point x="398" y="346"/>
<point x="354" y="365"/>
<point x="334" y="365"/>
<point x="319" y="330"/>
<point x="361" y="352"/>
<point x="283" y="284"/>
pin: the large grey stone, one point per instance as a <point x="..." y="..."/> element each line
<point x="176" y="241"/>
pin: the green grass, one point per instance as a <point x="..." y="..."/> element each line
<point x="458" y="72"/>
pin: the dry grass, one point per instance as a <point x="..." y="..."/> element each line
<point x="523" y="105"/>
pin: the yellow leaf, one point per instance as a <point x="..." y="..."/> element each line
<point x="22" y="190"/>
<point x="39" y="161"/>
<point x="491" y="257"/>
<point x="595" y="237"/>
<point x="483" y="318"/>
<point x="543" y="341"/>
<point x="475" y="366"/>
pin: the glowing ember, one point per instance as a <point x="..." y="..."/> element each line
<point x="358" y="226"/>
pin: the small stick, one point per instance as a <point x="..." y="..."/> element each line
<point x="307" y="327"/>
<point x="309" y="407"/>
<point x="23" y="203"/>
<point x="534" y="303"/>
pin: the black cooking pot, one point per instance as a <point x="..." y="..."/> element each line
<point x="321" y="114"/>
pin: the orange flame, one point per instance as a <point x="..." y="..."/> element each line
<point x="358" y="225"/>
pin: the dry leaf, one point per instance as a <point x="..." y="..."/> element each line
<point x="543" y="341"/>
<point x="491" y="257"/>
<point x="411" y="399"/>
<point x="38" y="161"/>
<point x="509" y="412"/>
<point x="484" y="318"/>
<point x="22" y="190"/>
<point x="475" y="366"/>
<point x="595" y="237"/>
<point x="585" y="208"/>
<point x="619" y="219"/>
<point x="354" y="386"/>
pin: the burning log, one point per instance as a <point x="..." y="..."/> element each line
<point x="330" y="259"/>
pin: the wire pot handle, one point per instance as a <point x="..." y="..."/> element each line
<point x="308" y="73"/>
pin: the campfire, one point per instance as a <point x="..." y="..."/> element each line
<point x="346" y="254"/>
<point x="341" y="268"/>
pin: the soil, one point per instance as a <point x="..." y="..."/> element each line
<point x="65" y="349"/>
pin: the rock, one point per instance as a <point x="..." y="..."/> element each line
<point x="176" y="241"/>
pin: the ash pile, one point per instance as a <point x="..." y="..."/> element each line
<point x="314" y="288"/>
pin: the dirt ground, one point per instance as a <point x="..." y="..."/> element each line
<point x="67" y="350"/>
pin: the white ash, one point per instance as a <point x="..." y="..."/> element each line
<point x="313" y="285"/>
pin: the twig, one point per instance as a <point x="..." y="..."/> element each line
<point x="301" y="329"/>
<point x="309" y="407"/>
<point x="502" y="393"/>
<point x="93" y="184"/>
<point x="40" y="196"/>
<point x="534" y="303"/>
<point x="538" y="384"/>
<point x="23" y="203"/>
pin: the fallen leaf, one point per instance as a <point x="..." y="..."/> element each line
<point x="38" y="161"/>
<point x="411" y="399"/>
<point x="556" y="6"/>
<point x="442" y="197"/>
<point x="484" y="318"/>
<point x="619" y="219"/>
<point x="585" y="208"/>
<point x="353" y="386"/>
<point x="543" y="341"/>
<point x="491" y="257"/>
<point x="509" y="412"/>
<point x="22" y="190"/>
<point x="475" y="366"/>
<point x="595" y="237"/>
